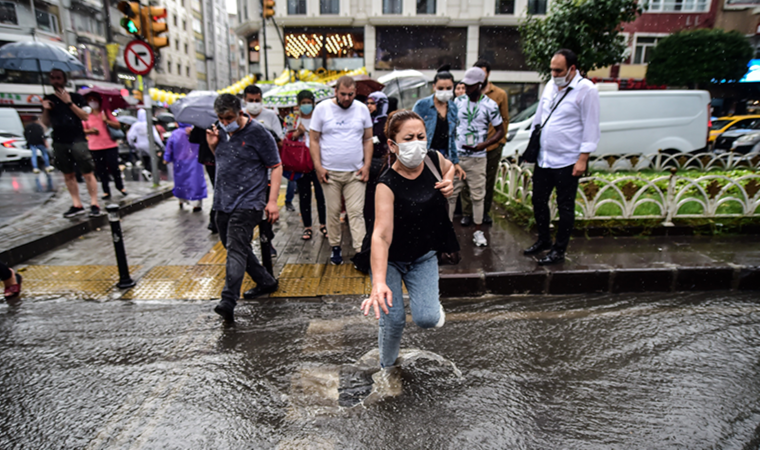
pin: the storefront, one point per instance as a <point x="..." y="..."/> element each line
<point x="328" y="48"/>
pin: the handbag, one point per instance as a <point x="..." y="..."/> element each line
<point x="115" y="133"/>
<point x="530" y="155"/>
<point x="450" y="254"/>
<point x="295" y="155"/>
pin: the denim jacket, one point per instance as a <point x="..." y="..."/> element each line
<point x="425" y="107"/>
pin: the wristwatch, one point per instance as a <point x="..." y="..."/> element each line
<point x="69" y="104"/>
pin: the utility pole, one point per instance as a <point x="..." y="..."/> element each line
<point x="264" y="39"/>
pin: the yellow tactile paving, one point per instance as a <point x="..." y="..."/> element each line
<point x="74" y="273"/>
<point x="297" y="287"/>
<point x="88" y="290"/>
<point x="342" y="286"/>
<point x="342" y="271"/>
<point x="217" y="255"/>
<point x="303" y="271"/>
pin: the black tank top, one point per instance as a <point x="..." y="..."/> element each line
<point x="420" y="218"/>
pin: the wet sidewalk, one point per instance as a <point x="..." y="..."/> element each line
<point x="32" y="207"/>
<point x="173" y="256"/>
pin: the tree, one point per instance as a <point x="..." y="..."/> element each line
<point x="590" y="28"/>
<point x="699" y="57"/>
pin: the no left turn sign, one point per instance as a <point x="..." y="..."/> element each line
<point x="139" y="57"/>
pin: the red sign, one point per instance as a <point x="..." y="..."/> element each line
<point x="139" y="57"/>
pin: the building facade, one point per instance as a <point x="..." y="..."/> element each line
<point x="383" y="35"/>
<point x="216" y="48"/>
<point x="176" y="67"/>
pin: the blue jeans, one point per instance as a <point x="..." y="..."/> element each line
<point x="421" y="279"/>
<point x="290" y="192"/>
<point x="42" y="150"/>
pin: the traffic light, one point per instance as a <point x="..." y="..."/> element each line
<point x="268" y="9"/>
<point x="151" y="17"/>
<point x="130" y="23"/>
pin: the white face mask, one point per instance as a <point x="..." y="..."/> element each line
<point x="444" y="96"/>
<point x="411" y="154"/>
<point x="94" y="105"/>
<point x="254" y="108"/>
<point x="562" y="81"/>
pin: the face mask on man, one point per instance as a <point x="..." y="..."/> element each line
<point x="94" y="105"/>
<point x="411" y="154"/>
<point x="254" y="108"/>
<point x="231" y="127"/>
<point x="306" y="109"/>
<point x="562" y="81"/>
<point x="444" y="96"/>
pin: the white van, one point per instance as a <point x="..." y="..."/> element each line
<point x="639" y="122"/>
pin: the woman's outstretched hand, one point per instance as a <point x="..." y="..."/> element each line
<point x="381" y="298"/>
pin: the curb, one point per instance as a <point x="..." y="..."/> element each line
<point x="28" y="250"/>
<point x="615" y="281"/>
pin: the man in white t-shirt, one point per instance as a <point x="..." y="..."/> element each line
<point x="341" y="148"/>
<point x="476" y="113"/>
<point x="255" y="107"/>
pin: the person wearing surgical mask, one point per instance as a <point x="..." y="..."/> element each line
<point x="255" y="107"/>
<point x="411" y="226"/>
<point x="105" y="151"/>
<point x="567" y="138"/>
<point x="439" y="112"/>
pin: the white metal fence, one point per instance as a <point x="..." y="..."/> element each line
<point x="666" y="196"/>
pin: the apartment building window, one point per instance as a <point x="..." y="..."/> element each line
<point x="186" y="49"/>
<point x="184" y="25"/>
<point x="392" y="6"/>
<point x="197" y="25"/>
<point x="182" y="3"/>
<point x="296" y="7"/>
<point x="501" y="47"/>
<point x="426" y="6"/>
<point x="8" y="13"/>
<point x="187" y="71"/>
<point x="179" y="69"/>
<point x="329" y="6"/>
<point x="176" y="23"/>
<point x="200" y="47"/>
<point x="176" y="45"/>
<point x="196" y="4"/>
<point x="537" y="7"/>
<point x="200" y="66"/>
<point x="168" y="67"/>
<point x="644" y="48"/>
<point x="421" y="48"/>
<point x="505" y="7"/>
<point x="678" y="6"/>
<point x="46" y="21"/>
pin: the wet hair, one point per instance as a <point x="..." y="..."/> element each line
<point x="345" y="81"/>
<point x="444" y="74"/>
<point x="570" y="57"/>
<point x="227" y="102"/>
<point x="65" y="77"/>
<point x="305" y="95"/>
<point x="398" y="118"/>
<point x="252" y="89"/>
<point x="483" y="64"/>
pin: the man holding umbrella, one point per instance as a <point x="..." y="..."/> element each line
<point x="64" y="112"/>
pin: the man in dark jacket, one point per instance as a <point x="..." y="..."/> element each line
<point x="206" y="157"/>
<point x="34" y="134"/>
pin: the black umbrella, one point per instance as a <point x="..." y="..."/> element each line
<point x="37" y="57"/>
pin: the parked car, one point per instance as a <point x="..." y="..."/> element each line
<point x="639" y="122"/>
<point x="12" y="143"/>
<point x="741" y="140"/>
<point x="730" y="123"/>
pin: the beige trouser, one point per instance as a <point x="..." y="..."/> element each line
<point x="345" y="185"/>
<point x="475" y="168"/>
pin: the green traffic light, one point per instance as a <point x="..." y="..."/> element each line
<point x="129" y="25"/>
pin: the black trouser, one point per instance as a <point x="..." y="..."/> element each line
<point x="544" y="181"/>
<point x="236" y="233"/>
<point x="107" y="163"/>
<point x="375" y="170"/>
<point x="304" y="198"/>
<point x="211" y="171"/>
<point x="5" y="272"/>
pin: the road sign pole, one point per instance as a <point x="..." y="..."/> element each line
<point x="147" y="101"/>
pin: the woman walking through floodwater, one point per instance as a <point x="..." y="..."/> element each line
<point x="411" y="226"/>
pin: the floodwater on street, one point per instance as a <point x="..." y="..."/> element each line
<point x="589" y="372"/>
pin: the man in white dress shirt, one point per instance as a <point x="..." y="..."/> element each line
<point x="571" y="133"/>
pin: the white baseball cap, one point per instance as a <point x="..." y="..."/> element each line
<point x="474" y="75"/>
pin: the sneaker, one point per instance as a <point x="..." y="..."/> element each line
<point x="49" y="169"/>
<point x="73" y="211"/>
<point x="94" y="211"/>
<point x="337" y="257"/>
<point x="289" y="206"/>
<point x="225" y="310"/>
<point x="273" y="252"/>
<point x="479" y="239"/>
<point x="147" y="175"/>
<point x="441" y="318"/>
<point x="258" y="291"/>
<point x="35" y="170"/>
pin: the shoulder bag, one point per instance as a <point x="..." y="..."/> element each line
<point x="295" y="155"/>
<point x="449" y="255"/>
<point x="530" y="155"/>
<point x="115" y="133"/>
